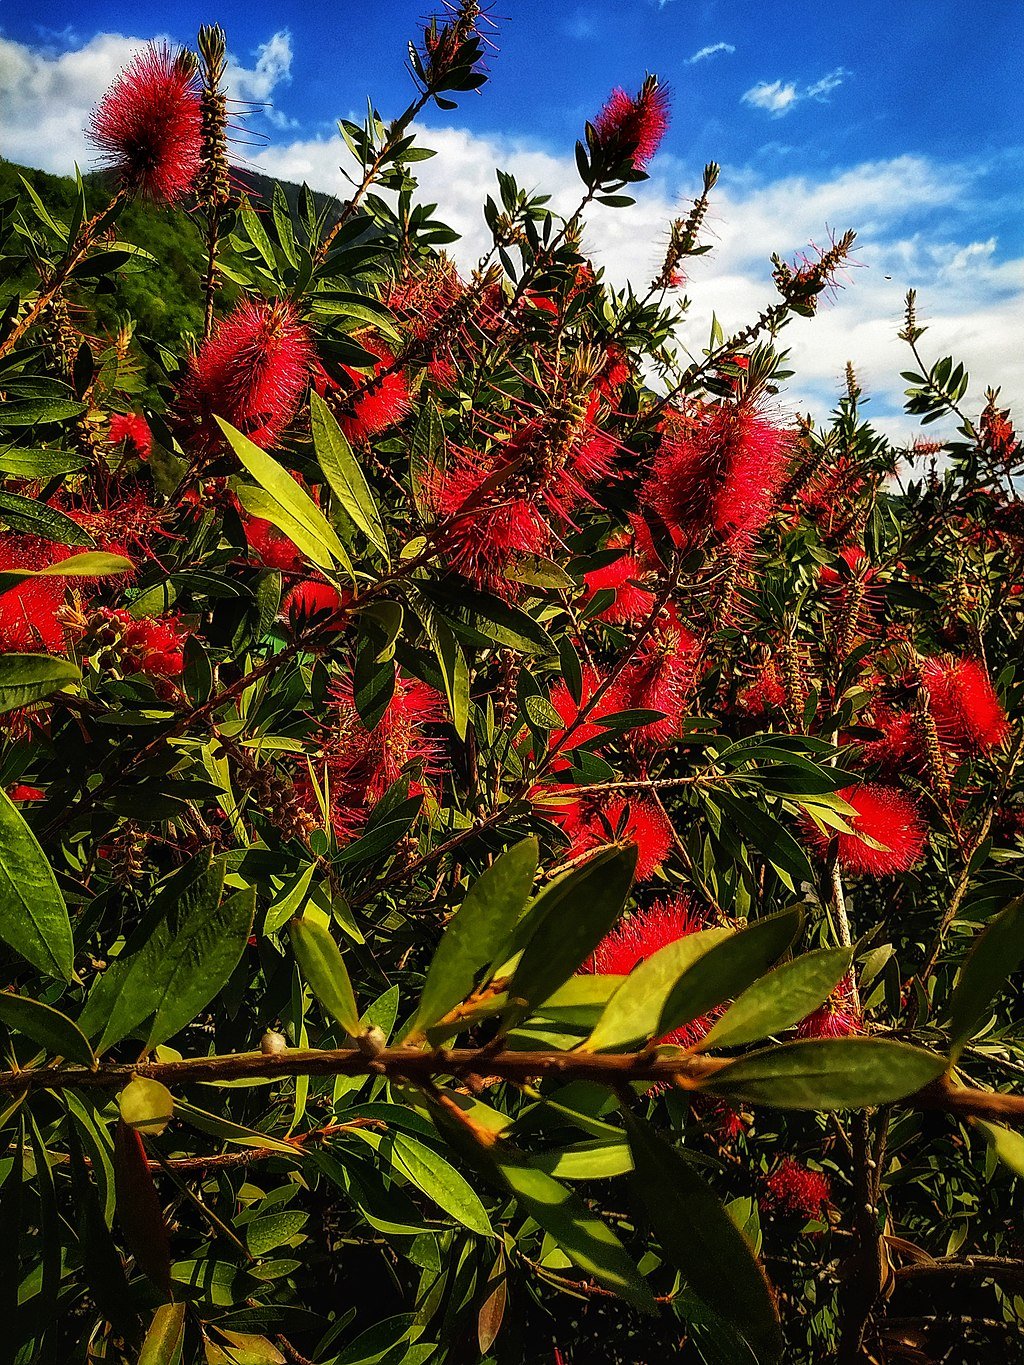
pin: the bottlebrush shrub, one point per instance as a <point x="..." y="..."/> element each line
<point x="507" y="832"/>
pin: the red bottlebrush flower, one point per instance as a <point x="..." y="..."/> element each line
<point x="148" y="126"/>
<point x="497" y="521"/>
<point x="853" y="556"/>
<point x="615" y="373"/>
<point x="379" y="402"/>
<point x="890" y="818"/>
<point x="273" y="546"/>
<point x="371" y="761"/>
<point x="623" y="576"/>
<point x="964" y="704"/>
<point x="563" y="702"/>
<point x="639" y="937"/>
<point x="28" y="612"/>
<point x="794" y="1188"/>
<point x="998" y="436"/>
<point x="592" y="821"/>
<point x="633" y="126"/>
<point x="313" y="601"/>
<point x="152" y="645"/>
<point x="132" y="429"/>
<point x="251" y="372"/>
<point x="899" y="742"/>
<point x="23" y="793"/>
<point x="660" y="677"/>
<point x="720" y="472"/>
<point x="838" y="1017"/>
<point x="766" y="693"/>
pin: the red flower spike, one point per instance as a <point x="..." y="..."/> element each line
<point x="766" y="693"/>
<point x="273" y="546"/>
<point x="312" y="601"/>
<point x="384" y="403"/>
<point x="838" y="1017"/>
<point x="794" y="1188"/>
<point x="148" y="126"/>
<point x="28" y="612"/>
<point x="369" y="762"/>
<point x="634" y="126"/>
<point x="588" y="730"/>
<point x="23" y="793"/>
<point x="591" y="822"/>
<point x="660" y="677"/>
<point x="720" y="472"/>
<point x="252" y="372"/>
<point x="964" y="704"/>
<point x="899" y="742"/>
<point x="639" y="937"/>
<point x="131" y="429"/>
<point x="886" y="815"/>
<point x="623" y="576"/>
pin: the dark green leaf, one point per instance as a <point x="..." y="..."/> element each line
<point x="324" y="968"/>
<point x="26" y="678"/>
<point x="781" y="998"/>
<point x="46" y="1027"/>
<point x="701" y="1240"/>
<point x="39" y="519"/>
<point x="998" y="951"/>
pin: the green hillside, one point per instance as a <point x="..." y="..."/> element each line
<point x="166" y="299"/>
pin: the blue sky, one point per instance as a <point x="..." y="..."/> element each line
<point x="901" y="119"/>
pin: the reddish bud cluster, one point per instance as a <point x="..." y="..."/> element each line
<point x="132" y="430"/>
<point x="633" y="125"/>
<point x="148" y="126"/>
<point x="794" y="1188"/>
<point x="150" y="645"/>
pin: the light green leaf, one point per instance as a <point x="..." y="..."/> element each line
<point x="33" y="917"/>
<point x="26" y="678"/>
<point x="324" y="968"/>
<point x="342" y="471"/>
<point x="165" y="1336"/>
<point x="1007" y="1144"/>
<point x="266" y="1234"/>
<point x="441" y="1182"/>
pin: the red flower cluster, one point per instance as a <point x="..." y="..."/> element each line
<point x="885" y="815"/>
<point x="624" y="576"/>
<point x="794" y="1188"/>
<point x="22" y="793"/>
<point x="568" y="709"/>
<point x="767" y="692"/>
<point x="378" y="402"/>
<point x="151" y="645"/>
<point x="633" y="125"/>
<point x="131" y="429"/>
<point x="273" y="546"/>
<point x="964" y="704"/>
<point x="640" y="937"/>
<point x="595" y="820"/>
<point x="719" y="472"/>
<point x="148" y="126"/>
<point x="899" y="742"/>
<point x="501" y="505"/>
<point x="28" y="611"/>
<point x="252" y="372"/>
<point x="314" y="598"/>
<point x="363" y="764"/>
<point x="838" y="1017"/>
<point x="660" y="677"/>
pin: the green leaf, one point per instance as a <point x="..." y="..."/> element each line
<point x="27" y="412"/>
<point x="586" y="1239"/>
<point x="701" y="1240"/>
<point x="33" y="917"/>
<point x="781" y="998"/>
<point x="324" y="968"/>
<point x="566" y="922"/>
<point x="771" y="838"/>
<point x="25" y="678"/>
<point x="729" y="967"/>
<point x="39" y="519"/>
<point x="827" y="1074"/>
<point x="146" y="1105"/>
<point x="46" y="1027"/>
<point x="286" y="506"/>
<point x="998" y="951"/>
<point x="266" y="1234"/>
<point x="86" y="564"/>
<point x="479" y="932"/>
<point x="633" y="1013"/>
<point x="598" y="1160"/>
<point x="341" y="468"/>
<point x="227" y="1131"/>
<point x="256" y="232"/>
<point x="441" y="1182"/>
<point x="201" y="957"/>
<point x="1007" y="1144"/>
<point x="454" y="670"/>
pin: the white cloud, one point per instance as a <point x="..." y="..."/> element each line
<point x="256" y="84"/>
<point x="778" y="97"/>
<point x="712" y="50"/>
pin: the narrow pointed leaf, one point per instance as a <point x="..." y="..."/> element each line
<point x="47" y="1027"/>
<point x="341" y="468"/>
<point x="997" y="952"/>
<point x="781" y="998"/>
<point x="324" y="969"/>
<point x="26" y="678"/>
<point x="33" y="917"/>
